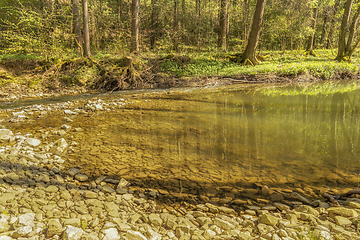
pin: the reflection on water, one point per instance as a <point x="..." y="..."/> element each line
<point x="226" y="137"/>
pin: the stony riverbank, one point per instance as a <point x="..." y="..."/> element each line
<point x="41" y="199"/>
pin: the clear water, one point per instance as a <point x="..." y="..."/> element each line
<point x="230" y="136"/>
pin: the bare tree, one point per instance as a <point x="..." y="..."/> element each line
<point x="223" y="20"/>
<point x="86" y="29"/>
<point x="135" y="26"/>
<point x="248" y="57"/>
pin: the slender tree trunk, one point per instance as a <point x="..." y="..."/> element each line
<point x="77" y="24"/>
<point x="245" y="20"/>
<point x="223" y="20"/>
<point x="323" y="33"/>
<point x="86" y="29"/>
<point x="176" y="25"/>
<point x="332" y="24"/>
<point x="352" y="30"/>
<point x="154" y="23"/>
<point x="135" y="26"/>
<point x="198" y="8"/>
<point x="342" y="36"/>
<point x="248" y="56"/>
<point x="310" y="43"/>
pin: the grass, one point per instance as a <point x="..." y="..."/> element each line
<point x="289" y="63"/>
<point x="325" y="88"/>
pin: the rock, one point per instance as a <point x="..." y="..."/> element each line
<point x="341" y="221"/>
<point x="73" y="171"/>
<point x="81" y="177"/>
<point x="111" y="234"/>
<point x="341" y="211"/>
<point x="209" y="234"/>
<point x="59" y="147"/>
<point x="282" y="207"/>
<point x="100" y="179"/>
<point x="123" y="183"/>
<point x="6" y="134"/>
<point x="155" y="219"/>
<point x="90" y="194"/>
<point x="64" y="194"/>
<point x="308" y="210"/>
<point x="72" y="233"/>
<point x="223" y="224"/>
<point x="27" y="219"/>
<point x="52" y="189"/>
<point x="121" y="191"/>
<point x="6" y="196"/>
<point x="269" y="220"/>
<point x="22" y="232"/>
<point x="134" y="235"/>
<point x="75" y="222"/>
<point x="107" y="189"/>
<point x="54" y="228"/>
<point x="276" y="197"/>
<point x="296" y="196"/>
<point x="69" y="112"/>
<point x="354" y="205"/>
<point x="32" y="142"/>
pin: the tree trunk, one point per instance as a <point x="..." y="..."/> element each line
<point x="332" y="24"/>
<point x="135" y="26"/>
<point x="323" y="33"/>
<point x="154" y="23"/>
<point x="342" y="36"/>
<point x="198" y="8"/>
<point x="248" y="57"/>
<point x="176" y="25"/>
<point x="223" y="20"/>
<point x="352" y="30"/>
<point x="86" y="29"/>
<point x="310" y="43"/>
<point x="245" y="20"/>
<point x="77" y="24"/>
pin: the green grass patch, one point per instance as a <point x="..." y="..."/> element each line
<point x="325" y="88"/>
<point x="291" y="63"/>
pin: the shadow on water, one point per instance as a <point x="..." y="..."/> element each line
<point x="217" y="146"/>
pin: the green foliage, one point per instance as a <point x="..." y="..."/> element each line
<point x="289" y="64"/>
<point x="327" y="88"/>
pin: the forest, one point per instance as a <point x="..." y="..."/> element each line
<point x="115" y="44"/>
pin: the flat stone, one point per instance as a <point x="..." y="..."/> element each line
<point x="75" y="222"/>
<point x="81" y="177"/>
<point x="155" y="219"/>
<point x="32" y="142"/>
<point x="107" y="189"/>
<point x="134" y="235"/>
<point x="5" y="134"/>
<point x="73" y="171"/>
<point x="341" y="221"/>
<point x="72" y="233"/>
<point x="27" y="219"/>
<point x="223" y="224"/>
<point x="22" y="232"/>
<point x="100" y="179"/>
<point x="6" y="196"/>
<point x="111" y="234"/>
<point x="90" y="194"/>
<point x="354" y="205"/>
<point x="52" y="189"/>
<point x="64" y="194"/>
<point x="59" y="147"/>
<point x="269" y="220"/>
<point x="341" y="211"/>
<point x="308" y="210"/>
<point x="281" y="206"/>
<point x="121" y="191"/>
<point x="54" y="228"/>
<point x="123" y="183"/>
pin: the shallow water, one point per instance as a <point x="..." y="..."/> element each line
<point x="230" y="136"/>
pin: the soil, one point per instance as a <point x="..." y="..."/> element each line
<point x="24" y="79"/>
